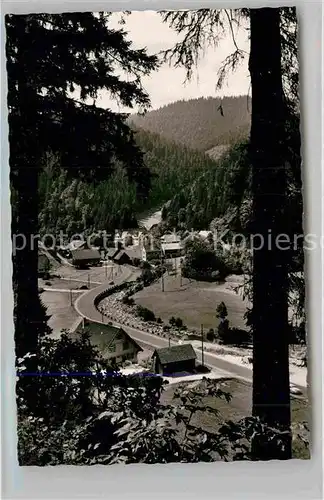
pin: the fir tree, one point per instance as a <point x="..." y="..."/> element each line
<point x="55" y="65"/>
<point x="271" y="103"/>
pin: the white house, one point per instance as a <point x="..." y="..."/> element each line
<point x="128" y="238"/>
<point x="171" y="244"/>
<point x="204" y="235"/>
<point x="114" y="343"/>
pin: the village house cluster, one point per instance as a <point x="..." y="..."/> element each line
<point x="127" y="247"/>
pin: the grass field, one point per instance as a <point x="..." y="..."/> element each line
<point x="63" y="315"/>
<point x="239" y="407"/>
<point x="65" y="284"/>
<point x="194" y="302"/>
<point x="98" y="274"/>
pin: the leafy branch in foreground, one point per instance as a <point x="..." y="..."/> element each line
<point x="205" y="28"/>
<point x="119" y="419"/>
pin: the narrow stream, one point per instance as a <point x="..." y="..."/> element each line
<point x="149" y="219"/>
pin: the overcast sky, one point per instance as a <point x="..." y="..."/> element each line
<point x="165" y="85"/>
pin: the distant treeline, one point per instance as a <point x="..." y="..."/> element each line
<point x="201" y="123"/>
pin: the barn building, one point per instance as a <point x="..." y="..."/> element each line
<point x="174" y="359"/>
<point x="85" y="257"/>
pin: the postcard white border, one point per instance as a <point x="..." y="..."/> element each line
<point x="291" y="479"/>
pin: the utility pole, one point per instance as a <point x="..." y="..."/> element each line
<point x="162" y="282"/>
<point x="202" y="345"/>
<point x="106" y="268"/>
<point x="89" y="280"/>
<point x="169" y="341"/>
<point x="71" y="299"/>
<point x="180" y="270"/>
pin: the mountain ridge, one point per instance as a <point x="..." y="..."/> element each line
<point x="201" y="123"/>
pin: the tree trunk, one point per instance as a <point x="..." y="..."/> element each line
<point x="30" y="317"/>
<point x="271" y="393"/>
<point x="25" y="262"/>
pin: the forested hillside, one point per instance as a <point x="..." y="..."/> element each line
<point x="201" y="123"/>
<point x="218" y="189"/>
<point x="222" y="194"/>
<point x="73" y="206"/>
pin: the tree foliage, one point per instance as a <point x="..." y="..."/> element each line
<point x="198" y="29"/>
<point x="108" y="418"/>
<point x="66" y="60"/>
<point x="74" y="205"/>
<point x="203" y="263"/>
<point x="56" y="63"/>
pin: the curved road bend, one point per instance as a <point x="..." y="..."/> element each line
<point x="86" y="308"/>
<point x="85" y="304"/>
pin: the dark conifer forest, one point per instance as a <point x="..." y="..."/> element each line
<point x="177" y="169"/>
<point x="201" y="123"/>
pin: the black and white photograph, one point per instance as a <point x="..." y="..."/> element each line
<point x="157" y="232"/>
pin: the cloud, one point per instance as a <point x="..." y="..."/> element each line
<point x="146" y="29"/>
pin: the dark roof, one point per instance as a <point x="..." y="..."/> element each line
<point x="134" y="252"/>
<point x="183" y="352"/>
<point x="77" y="245"/>
<point x="85" y="254"/>
<point x="112" y="252"/>
<point x="120" y="254"/>
<point x="105" y="333"/>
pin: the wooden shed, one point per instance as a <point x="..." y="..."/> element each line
<point x="174" y="359"/>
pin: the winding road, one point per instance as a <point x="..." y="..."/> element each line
<point x="86" y="308"/>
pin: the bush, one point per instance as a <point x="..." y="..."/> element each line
<point x="210" y="335"/>
<point x="221" y="311"/>
<point x="159" y="320"/>
<point x="129" y="301"/>
<point x="172" y="321"/>
<point x="145" y="265"/>
<point x="202" y="263"/>
<point x="233" y="336"/>
<point x="223" y="331"/>
<point x="138" y="287"/>
<point x="145" y="314"/>
<point x="147" y="276"/>
<point x="240" y="337"/>
<point x="298" y="334"/>
<point x="178" y="323"/>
